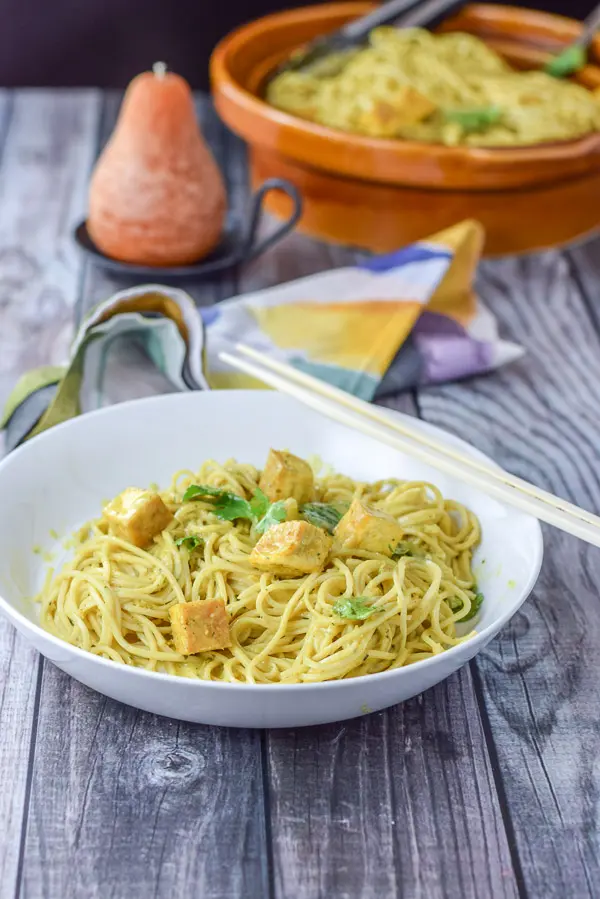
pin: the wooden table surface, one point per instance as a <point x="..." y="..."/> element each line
<point x="485" y="786"/>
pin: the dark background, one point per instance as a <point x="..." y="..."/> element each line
<point x="106" y="42"/>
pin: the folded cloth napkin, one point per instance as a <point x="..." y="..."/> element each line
<point x="391" y="323"/>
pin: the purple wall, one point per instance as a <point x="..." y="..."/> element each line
<point x="106" y="42"/>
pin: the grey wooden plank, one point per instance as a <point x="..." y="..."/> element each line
<point x="43" y="183"/>
<point x="538" y="680"/>
<point x="44" y="157"/>
<point x="125" y="804"/>
<point x="20" y="669"/>
<point x="400" y="803"/>
<point x="385" y="805"/>
<point x="584" y="259"/>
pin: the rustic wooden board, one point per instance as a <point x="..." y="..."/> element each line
<point x="484" y="787"/>
<point x="127" y="804"/>
<point x="124" y="803"/>
<point x="43" y="182"/>
<point x="538" y="680"/>
<point x="46" y="149"/>
<point x="361" y="798"/>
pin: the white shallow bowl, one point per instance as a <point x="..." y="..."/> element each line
<point x="59" y="479"/>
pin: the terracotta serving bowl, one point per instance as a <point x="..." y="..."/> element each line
<point x="380" y="194"/>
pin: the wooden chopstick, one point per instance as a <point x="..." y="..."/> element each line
<point x="362" y="416"/>
<point x="375" y="413"/>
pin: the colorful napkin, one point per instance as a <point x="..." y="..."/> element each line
<point x="394" y="322"/>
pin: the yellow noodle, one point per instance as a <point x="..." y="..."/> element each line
<point x="113" y="599"/>
<point x="368" y="92"/>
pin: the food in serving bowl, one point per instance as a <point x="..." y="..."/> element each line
<point x="448" y="88"/>
<point x="273" y="576"/>
<point x="382" y="193"/>
<point x="101" y="454"/>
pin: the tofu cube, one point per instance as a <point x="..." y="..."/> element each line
<point x="291" y="548"/>
<point x="137" y="516"/>
<point x="200" y="626"/>
<point x="365" y="528"/>
<point x="386" y="117"/>
<point x="287" y="476"/>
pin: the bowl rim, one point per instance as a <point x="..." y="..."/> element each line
<point x="479" y="639"/>
<point x="226" y="84"/>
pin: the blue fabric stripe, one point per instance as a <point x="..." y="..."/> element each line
<point x="414" y="253"/>
<point x="209" y="314"/>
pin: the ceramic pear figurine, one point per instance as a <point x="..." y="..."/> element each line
<point x="157" y="196"/>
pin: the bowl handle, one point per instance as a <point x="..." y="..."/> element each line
<point x="252" y="250"/>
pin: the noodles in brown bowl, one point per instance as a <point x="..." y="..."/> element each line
<point x="450" y="89"/>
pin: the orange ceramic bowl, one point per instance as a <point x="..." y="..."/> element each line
<point x="380" y="194"/>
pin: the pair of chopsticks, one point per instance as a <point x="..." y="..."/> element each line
<point x="372" y="421"/>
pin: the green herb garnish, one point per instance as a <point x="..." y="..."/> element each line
<point x="196" y="490"/>
<point x="322" y="515"/>
<point x="456" y="604"/>
<point x="404" y="548"/>
<point x="475" y="119"/>
<point x="190" y="541"/>
<point x="570" y="60"/>
<point x="229" y="506"/>
<point x="275" y="514"/>
<point x="355" y="609"/>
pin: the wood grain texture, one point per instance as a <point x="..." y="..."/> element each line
<point x="126" y="804"/>
<point x="401" y="803"/>
<point x="45" y="152"/>
<point x="363" y="799"/>
<point x="584" y="264"/>
<point x="538" y="680"/>
<point x="485" y="787"/>
<point x="43" y="180"/>
<point x="20" y="672"/>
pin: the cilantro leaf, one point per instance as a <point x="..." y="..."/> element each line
<point x="190" y="541"/>
<point x="355" y="608"/>
<point x="228" y="506"/>
<point x="274" y="515"/>
<point x="322" y="515"/>
<point x="231" y="506"/>
<point x="570" y="60"/>
<point x="456" y="604"/>
<point x="196" y="490"/>
<point x="405" y="548"/>
<point x="475" y="119"/>
<point x="259" y="503"/>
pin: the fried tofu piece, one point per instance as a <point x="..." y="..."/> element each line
<point x="287" y="476"/>
<point x="137" y="516"/>
<point x="200" y="626"/>
<point x="386" y="117"/>
<point x="363" y="527"/>
<point x="291" y="548"/>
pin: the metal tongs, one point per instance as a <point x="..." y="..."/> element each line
<point x="403" y="13"/>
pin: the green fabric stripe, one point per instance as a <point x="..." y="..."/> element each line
<point x="65" y="404"/>
<point x="27" y="384"/>
<point x="358" y="383"/>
